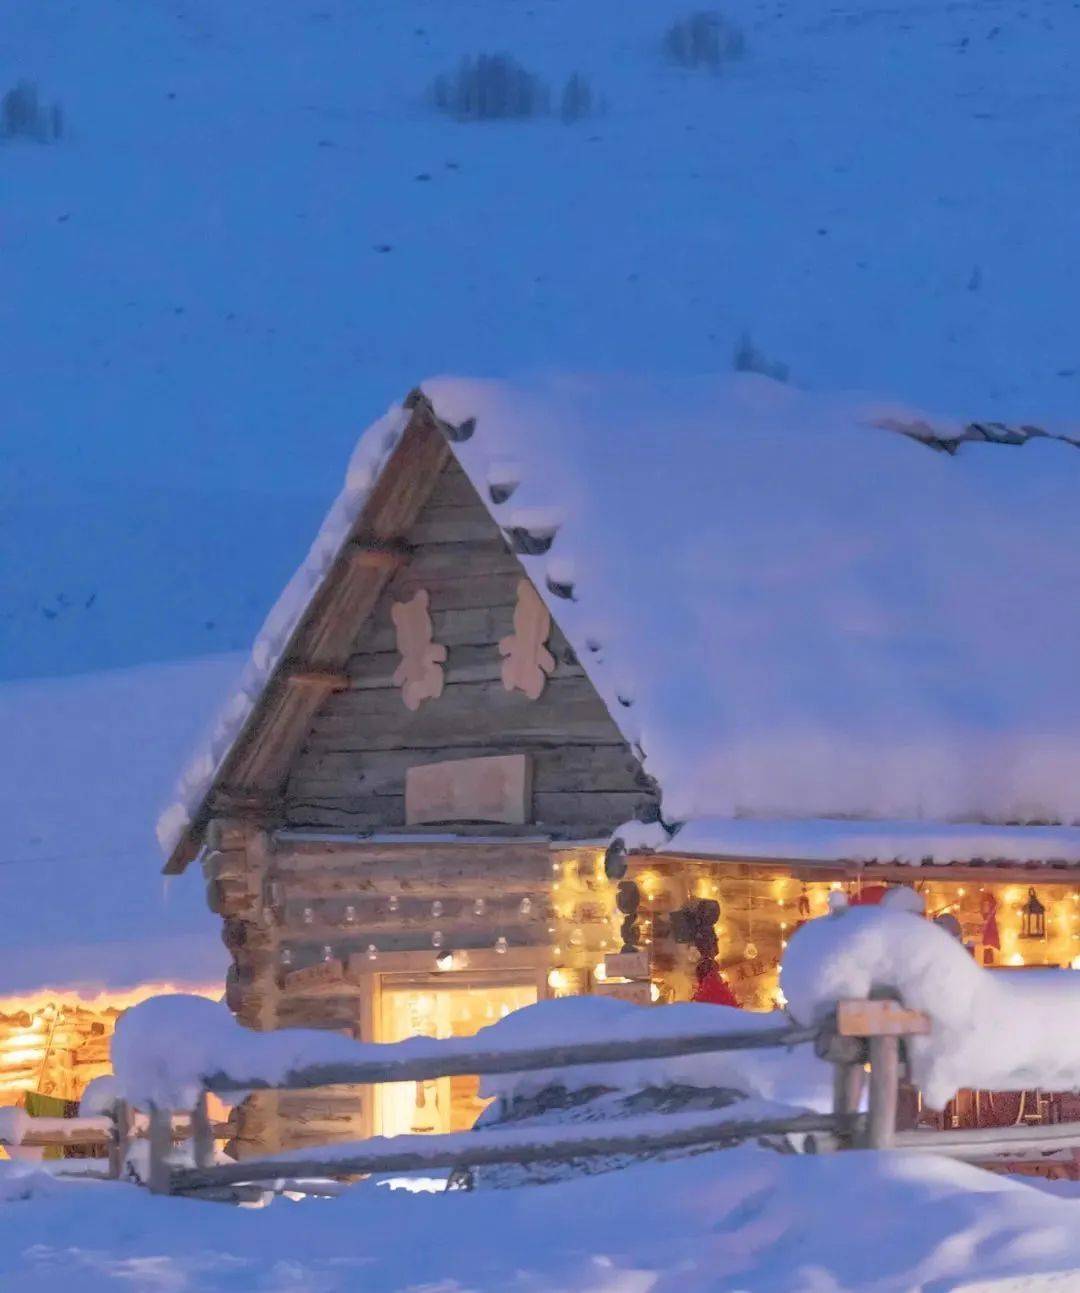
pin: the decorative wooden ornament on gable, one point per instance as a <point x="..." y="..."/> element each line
<point x="420" y="673"/>
<point x="528" y="661"/>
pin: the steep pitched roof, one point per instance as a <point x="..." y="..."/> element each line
<point x="793" y="610"/>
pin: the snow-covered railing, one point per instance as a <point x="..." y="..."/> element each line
<point x="114" y="1130"/>
<point x="307" y="1060"/>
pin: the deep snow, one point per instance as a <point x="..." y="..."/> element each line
<point x="87" y="761"/>
<point x="196" y="315"/>
<point x="741" y="1221"/>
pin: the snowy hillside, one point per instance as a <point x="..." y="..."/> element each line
<point x="255" y="232"/>
<point x="87" y="761"/>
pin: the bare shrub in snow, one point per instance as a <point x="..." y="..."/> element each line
<point x="577" y="101"/>
<point x="491" y="87"/>
<point x="703" y="40"/>
<point x="749" y="359"/>
<point x="24" y="116"/>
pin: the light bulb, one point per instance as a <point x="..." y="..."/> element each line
<point x="478" y="907"/>
<point x="372" y="952"/>
<point x="437" y="938"/>
<point x="437" y="908"/>
<point x="525" y="906"/>
<point x="327" y="952"/>
<point x="501" y="945"/>
<point x="308" y="916"/>
<point x="392" y="902"/>
<point x="350" y="915"/>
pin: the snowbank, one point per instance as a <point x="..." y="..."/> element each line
<point x="164" y="1048"/>
<point x="741" y="1219"/>
<point x="996" y="1030"/>
<point x="86" y="762"/>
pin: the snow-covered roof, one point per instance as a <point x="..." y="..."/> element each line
<point x="831" y="840"/>
<point x="791" y="605"/>
<point x="87" y="761"/>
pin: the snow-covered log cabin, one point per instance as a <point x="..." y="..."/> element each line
<point x="601" y="686"/>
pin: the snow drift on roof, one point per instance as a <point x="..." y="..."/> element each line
<point x="86" y="762"/>
<point x="796" y="611"/>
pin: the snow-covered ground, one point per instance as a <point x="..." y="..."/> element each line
<point x="255" y="234"/>
<point x="741" y="1221"/>
<point x="87" y="761"/>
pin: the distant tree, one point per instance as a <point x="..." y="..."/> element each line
<point x="23" y="115"/>
<point x="490" y="87"/>
<point x="577" y="99"/>
<point x="704" y="40"/>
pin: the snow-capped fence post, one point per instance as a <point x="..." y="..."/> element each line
<point x="160" y="1150"/>
<point x="846" y="1055"/>
<point x="884" y="1092"/>
<point x="202" y="1132"/>
<point x="884" y="1021"/>
<point x="119" y="1139"/>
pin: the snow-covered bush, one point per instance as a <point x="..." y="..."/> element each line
<point x="703" y="40"/>
<point x="491" y="87"/>
<point x="24" y="116"/>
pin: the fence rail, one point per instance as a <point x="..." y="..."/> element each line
<point x="865" y="1034"/>
<point x="489" y="1062"/>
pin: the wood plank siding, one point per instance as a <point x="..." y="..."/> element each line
<point x="350" y="773"/>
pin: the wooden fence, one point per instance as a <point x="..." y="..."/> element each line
<point x="864" y="1038"/>
<point x="860" y="1030"/>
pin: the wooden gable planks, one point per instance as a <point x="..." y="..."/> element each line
<point x="350" y="775"/>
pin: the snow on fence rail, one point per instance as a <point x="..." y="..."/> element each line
<point x="879" y="991"/>
<point x="844" y="1125"/>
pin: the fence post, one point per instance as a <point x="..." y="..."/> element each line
<point x="120" y="1139"/>
<point x="884" y="1091"/>
<point x="160" y="1150"/>
<point x="202" y="1133"/>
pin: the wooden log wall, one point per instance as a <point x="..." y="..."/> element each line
<point x="55" y="1050"/>
<point x="350" y="775"/>
<point x="288" y="903"/>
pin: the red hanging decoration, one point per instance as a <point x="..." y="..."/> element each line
<point x="988" y="910"/>
<point x="870" y="896"/>
<point x="712" y="988"/>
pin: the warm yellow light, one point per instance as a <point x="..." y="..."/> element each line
<point x="1075" y="963"/>
<point x="654" y="992"/>
<point x="1016" y="959"/>
<point x="600" y="973"/>
<point x="557" y="980"/>
<point x="961" y="891"/>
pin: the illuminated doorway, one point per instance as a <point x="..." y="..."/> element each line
<point x="438" y="1006"/>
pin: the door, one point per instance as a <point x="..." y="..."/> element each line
<point x="441" y="1005"/>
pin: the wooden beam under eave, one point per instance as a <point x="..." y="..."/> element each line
<point x="263" y="763"/>
<point x="329" y="680"/>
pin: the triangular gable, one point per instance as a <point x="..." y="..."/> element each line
<point x="286" y="760"/>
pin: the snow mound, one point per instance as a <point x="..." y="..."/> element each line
<point x="165" y="1047"/>
<point x="995" y="1030"/>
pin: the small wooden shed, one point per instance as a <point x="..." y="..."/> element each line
<point x="457" y="778"/>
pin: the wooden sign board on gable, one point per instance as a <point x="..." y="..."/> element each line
<point x="493" y="789"/>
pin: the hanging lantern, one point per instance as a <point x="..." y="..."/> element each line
<point x="1032" y="917"/>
